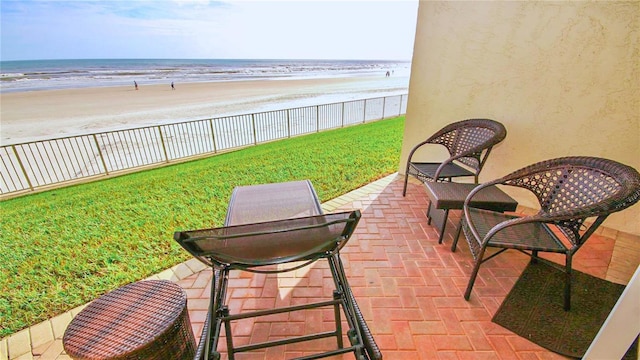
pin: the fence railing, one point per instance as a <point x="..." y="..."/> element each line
<point x="32" y="166"/>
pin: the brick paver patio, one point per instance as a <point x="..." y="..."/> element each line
<point x="408" y="286"/>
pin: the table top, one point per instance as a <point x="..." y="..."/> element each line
<point x="450" y="195"/>
<point x="125" y="320"/>
<point x="269" y="202"/>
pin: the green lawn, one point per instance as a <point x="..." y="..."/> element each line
<point x="65" y="247"/>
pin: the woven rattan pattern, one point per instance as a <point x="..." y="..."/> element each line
<point x="583" y="186"/>
<point x="468" y="142"/>
<point x="143" y="320"/>
<point x="464" y="139"/>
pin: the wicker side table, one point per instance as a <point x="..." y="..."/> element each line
<point x="142" y="320"/>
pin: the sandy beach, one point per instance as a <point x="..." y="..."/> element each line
<point x="38" y="115"/>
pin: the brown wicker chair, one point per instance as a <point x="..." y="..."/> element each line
<point x="469" y="143"/>
<point x="570" y="190"/>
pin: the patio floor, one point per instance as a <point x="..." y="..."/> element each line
<point x="408" y="286"/>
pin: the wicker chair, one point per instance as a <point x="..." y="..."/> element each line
<point x="569" y="191"/>
<point x="469" y="143"/>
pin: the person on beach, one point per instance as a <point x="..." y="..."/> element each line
<point x="172" y="87"/>
<point x="135" y="84"/>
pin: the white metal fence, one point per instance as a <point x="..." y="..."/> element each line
<point x="27" y="167"/>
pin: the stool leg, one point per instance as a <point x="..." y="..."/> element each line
<point x="444" y="225"/>
<point x="455" y="239"/>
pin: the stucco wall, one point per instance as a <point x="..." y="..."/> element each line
<point x="563" y="77"/>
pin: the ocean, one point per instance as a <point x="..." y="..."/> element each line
<point x="34" y="75"/>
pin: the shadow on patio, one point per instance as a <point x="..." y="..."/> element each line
<point x="408" y="286"/>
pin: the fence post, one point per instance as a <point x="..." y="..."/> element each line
<point x="384" y="103"/>
<point x="24" y="171"/>
<point x="343" y="110"/>
<point x="288" y="124"/>
<point x="317" y="118"/>
<point x="364" y="114"/>
<point x="104" y="163"/>
<point x="213" y="136"/>
<point x="164" y="148"/>
<point x="253" y="124"/>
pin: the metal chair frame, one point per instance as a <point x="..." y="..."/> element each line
<point x="197" y="241"/>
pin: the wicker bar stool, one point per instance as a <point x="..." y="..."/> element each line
<point x="142" y="320"/>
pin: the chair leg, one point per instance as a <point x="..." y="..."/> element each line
<point x="337" y="295"/>
<point x="567" y="285"/>
<point x="218" y="294"/>
<point x="204" y="350"/>
<point x="474" y="274"/>
<point x="406" y="180"/>
<point x="350" y="307"/>
<point x="227" y="333"/>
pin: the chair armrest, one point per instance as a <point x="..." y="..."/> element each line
<point x="501" y="226"/>
<point x="442" y="165"/>
<point x="414" y="149"/>
<point x="465" y="154"/>
<point x="465" y="208"/>
<point x="428" y="141"/>
<point x="540" y="217"/>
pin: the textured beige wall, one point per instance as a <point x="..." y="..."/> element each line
<point x="564" y="78"/>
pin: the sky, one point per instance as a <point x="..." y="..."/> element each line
<point x="202" y="29"/>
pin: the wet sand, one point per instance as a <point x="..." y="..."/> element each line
<point x="39" y="115"/>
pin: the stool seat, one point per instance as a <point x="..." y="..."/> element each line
<point x="142" y="320"/>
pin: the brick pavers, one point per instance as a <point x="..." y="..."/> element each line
<point x="408" y="286"/>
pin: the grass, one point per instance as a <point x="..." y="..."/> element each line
<point x="65" y="247"/>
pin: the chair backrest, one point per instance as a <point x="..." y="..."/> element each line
<point x="273" y="242"/>
<point x="572" y="189"/>
<point x="475" y="135"/>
